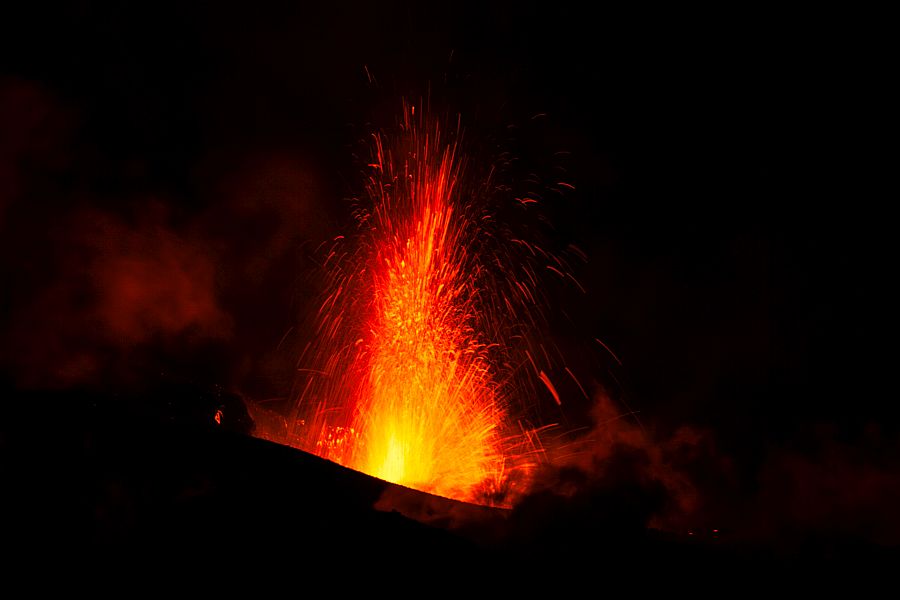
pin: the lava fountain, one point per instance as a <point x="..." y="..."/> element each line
<point x="409" y="376"/>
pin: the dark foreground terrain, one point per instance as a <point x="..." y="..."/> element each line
<point x="153" y="487"/>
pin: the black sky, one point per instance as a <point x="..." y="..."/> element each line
<point x="724" y="163"/>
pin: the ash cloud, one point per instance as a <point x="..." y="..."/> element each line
<point x="112" y="287"/>
<point x="618" y="479"/>
<point x="113" y="281"/>
<point x="822" y="492"/>
<point x="149" y="280"/>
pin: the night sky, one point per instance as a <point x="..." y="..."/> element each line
<point x="167" y="170"/>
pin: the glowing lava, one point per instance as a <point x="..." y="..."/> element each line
<point x="431" y="417"/>
<point x="405" y="380"/>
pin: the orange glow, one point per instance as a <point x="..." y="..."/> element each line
<point x="431" y="419"/>
<point x="407" y="381"/>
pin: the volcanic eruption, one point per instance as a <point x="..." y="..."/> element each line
<point x="413" y="372"/>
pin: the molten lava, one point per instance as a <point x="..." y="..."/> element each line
<point x="407" y="379"/>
